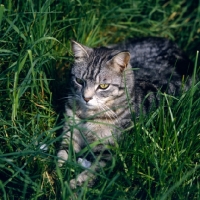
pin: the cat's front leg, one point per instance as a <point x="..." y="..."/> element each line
<point x="65" y="144"/>
<point x="62" y="157"/>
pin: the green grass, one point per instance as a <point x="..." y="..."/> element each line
<point x="158" y="159"/>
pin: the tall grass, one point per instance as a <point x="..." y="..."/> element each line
<point x="158" y="159"/>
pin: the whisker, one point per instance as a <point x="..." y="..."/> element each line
<point x="105" y="111"/>
<point x="108" y="112"/>
<point x="69" y="96"/>
<point x="100" y="109"/>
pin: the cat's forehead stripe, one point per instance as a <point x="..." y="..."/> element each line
<point x="99" y="67"/>
<point x="95" y="65"/>
<point x="91" y="66"/>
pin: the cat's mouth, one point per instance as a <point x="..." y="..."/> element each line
<point x="91" y="105"/>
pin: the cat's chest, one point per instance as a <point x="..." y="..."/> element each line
<point x="94" y="129"/>
<point x="98" y="131"/>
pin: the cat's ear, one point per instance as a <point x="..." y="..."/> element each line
<point x="119" y="61"/>
<point x="80" y="51"/>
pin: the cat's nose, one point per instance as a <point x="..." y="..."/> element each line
<point x="86" y="99"/>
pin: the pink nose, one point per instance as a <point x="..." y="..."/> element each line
<point x="87" y="99"/>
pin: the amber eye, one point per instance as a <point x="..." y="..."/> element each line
<point x="79" y="81"/>
<point x="103" y="86"/>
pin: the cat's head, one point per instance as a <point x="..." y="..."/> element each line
<point x="98" y="75"/>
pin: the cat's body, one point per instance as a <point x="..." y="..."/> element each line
<point x="161" y="66"/>
<point x="106" y="89"/>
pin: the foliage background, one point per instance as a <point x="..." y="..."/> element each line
<point x="159" y="159"/>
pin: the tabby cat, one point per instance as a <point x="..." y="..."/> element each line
<point x="107" y="85"/>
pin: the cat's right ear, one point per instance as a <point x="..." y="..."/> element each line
<point x="120" y="61"/>
<point x="80" y="51"/>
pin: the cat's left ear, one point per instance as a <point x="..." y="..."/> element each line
<point x="80" y="51"/>
<point x="119" y="61"/>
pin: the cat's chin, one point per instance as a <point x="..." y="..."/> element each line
<point x="90" y="106"/>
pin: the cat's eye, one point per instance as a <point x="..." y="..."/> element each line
<point x="103" y="86"/>
<point x="79" y="81"/>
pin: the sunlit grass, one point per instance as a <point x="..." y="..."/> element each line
<point x="157" y="159"/>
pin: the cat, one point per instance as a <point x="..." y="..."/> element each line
<point x="108" y="84"/>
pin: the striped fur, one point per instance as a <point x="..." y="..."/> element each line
<point x="105" y="90"/>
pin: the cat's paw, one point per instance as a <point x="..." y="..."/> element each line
<point x="62" y="157"/>
<point x="73" y="183"/>
<point x="83" y="178"/>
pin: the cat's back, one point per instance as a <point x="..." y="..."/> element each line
<point x="157" y="60"/>
<point x="156" y="53"/>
